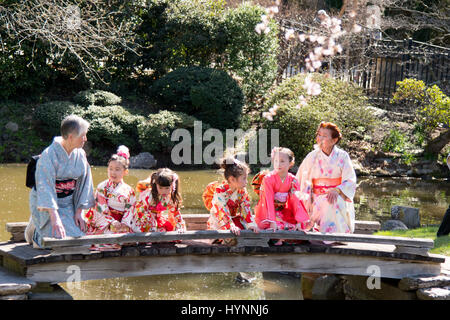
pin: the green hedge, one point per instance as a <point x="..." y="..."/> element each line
<point x="211" y="95"/>
<point x="96" y="97"/>
<point x="156" y="131"/>
<point x="339" y="102"/>
<point x="111" y="126"/>
<point x="51" y="114"/>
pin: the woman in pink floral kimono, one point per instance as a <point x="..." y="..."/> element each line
<point x="328" y="183"/>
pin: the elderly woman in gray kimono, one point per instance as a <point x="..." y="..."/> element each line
<point x="63" y="185"/>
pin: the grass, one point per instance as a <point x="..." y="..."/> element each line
<point x="441" y="244"/>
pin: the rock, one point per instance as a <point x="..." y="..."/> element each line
<point x="393" y="225"/>
<point x="421" y="282"/>
<point x="243" y="277"/>
<point x="355" y="135"/>
<point x="328" y="287"/>
<point x="15" y="297"/>
<point x="359" y="168"/>
<point x="14" y="127"/>
<point x="434" y="293"/>
<point x="377" y="112"/>
<point x="356" y="288"/>
<point x="307" y="284"/>
<point x="143" y="160"/>
<point x="409" y="216"/>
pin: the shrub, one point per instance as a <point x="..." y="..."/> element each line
<point x="96" y="97"/>
<point x="249" y="55"/>
<point x="174" y="33"/>
<point x="111" y="126"/>
<point x="339" y="102"/>
<point x="156" y="130"/>
<point x="18" y="145"/>
<point x="51" y="114"/>
<point x="211" y="95"/>
<point x="431" y="104"/>
<point x="395" y="141"/>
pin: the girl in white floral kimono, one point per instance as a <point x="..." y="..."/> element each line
<point x="114" y="200"/>
<point x="328" y="183"/>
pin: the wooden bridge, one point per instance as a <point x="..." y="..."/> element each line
<point x="194" y="252"/>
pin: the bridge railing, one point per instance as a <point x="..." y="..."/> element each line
<point x="246" y="238"/>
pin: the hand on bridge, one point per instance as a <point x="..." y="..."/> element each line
<point x="79" y="221"/>
<point x="58" y="229"/>
<point x="235" y="229"/>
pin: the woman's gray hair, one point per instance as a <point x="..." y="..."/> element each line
<point x="73" y="124"/>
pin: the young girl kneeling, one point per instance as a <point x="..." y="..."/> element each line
<point x="158" y="208"/>
<point x="230" y="204"/>
<point x="279" y="207"/>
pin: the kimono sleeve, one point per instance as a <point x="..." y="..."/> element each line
<point x="45" y="183"/>
<point x="268" y="198"/>
<point x="84" y="193"/>
<point x="348" y="185"/>
<point x="100" y="218"/>
<point x="179" y="221"/>
<point x="305" y="181"/>
<point x="220" y="211"/>
<point x="247" y="218"/>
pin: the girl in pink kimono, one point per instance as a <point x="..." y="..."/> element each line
<point x="113" y="200"/>
<point x="328" y="183"/>
<point x="279" y="206"/>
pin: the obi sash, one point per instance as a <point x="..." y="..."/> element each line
<point x="65" y="188"/>
<point x="116" y="214"/>
<point x="280" y="199"/>
<point x="321" y="185"/>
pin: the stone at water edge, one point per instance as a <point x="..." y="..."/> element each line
<point x="434" y="293"/>
<point x="144" y="160"/>
<point x="409" y="216"/>
<point x="393" y="225"/>
<point x="414" y="283"/>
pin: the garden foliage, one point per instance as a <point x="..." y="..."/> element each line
<point x="211" y="95"/>
<point x="339" y="102"/>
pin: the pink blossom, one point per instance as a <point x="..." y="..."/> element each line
<point x="289" y="34"/>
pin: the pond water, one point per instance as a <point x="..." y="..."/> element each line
<point x="373" y="201"/>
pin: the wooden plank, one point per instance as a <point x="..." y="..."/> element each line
<point x="16" y="226"/>
<point x="194" y="219"/>
<point x="12" y="284"/>
<point x="285" y="262"/>
<point x="220" y="234"/>
<point x="367" y="225"/>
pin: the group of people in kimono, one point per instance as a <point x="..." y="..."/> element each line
<point x="64" y="203"/>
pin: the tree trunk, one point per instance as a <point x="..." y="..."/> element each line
<point x="437" y="144"/>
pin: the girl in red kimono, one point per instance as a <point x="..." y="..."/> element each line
<point x="158" y="207"/>
<point x="279" y="207"/>
<point x="228" y="201"/>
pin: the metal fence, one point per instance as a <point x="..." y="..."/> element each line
<point x="380" y="64"/>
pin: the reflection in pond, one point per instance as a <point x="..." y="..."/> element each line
<point x="373" y="200"/>
<point x="215" y="286"/>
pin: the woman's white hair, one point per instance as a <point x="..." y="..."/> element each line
<point x="73" y="124"/>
